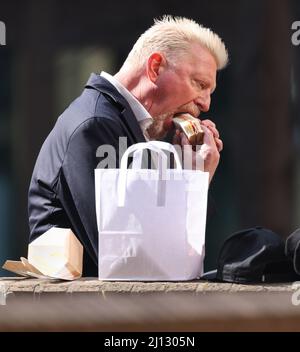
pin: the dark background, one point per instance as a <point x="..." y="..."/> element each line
<point x="52" y="46"/>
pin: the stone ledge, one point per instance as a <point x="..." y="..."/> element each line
<point x="92" y="305"/>
<point x="85" y="285"/>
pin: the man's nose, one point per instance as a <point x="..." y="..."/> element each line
<point x="203" y="102"/>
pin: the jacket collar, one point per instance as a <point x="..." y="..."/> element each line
<point x="104" y="86"/>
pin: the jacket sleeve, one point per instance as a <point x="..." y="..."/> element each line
<point x="76" y="186"/>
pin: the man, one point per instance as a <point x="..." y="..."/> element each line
<point x="171" y="69"/>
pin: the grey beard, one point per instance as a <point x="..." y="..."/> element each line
<point x="156" y="130"/>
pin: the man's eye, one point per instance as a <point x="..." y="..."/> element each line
<point x="198" y="83"/>
<point x="201" y="85"/>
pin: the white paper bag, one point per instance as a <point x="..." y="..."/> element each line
<point x="151" y="223"/>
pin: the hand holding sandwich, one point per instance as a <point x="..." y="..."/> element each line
<point x="205" y="157"/>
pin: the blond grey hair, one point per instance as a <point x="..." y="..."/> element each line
<point x="173" y="36"/>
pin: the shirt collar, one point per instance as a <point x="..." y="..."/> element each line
<point x="138" y="109"/>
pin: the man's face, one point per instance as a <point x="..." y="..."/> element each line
<point x="183" y="87"/>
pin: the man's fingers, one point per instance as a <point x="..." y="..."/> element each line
<point x="209" y="138"/>
<point x="219" y="144"/>
<point x="212" y="127"/>
<point x="209" y="124"/>
<point x="177" y="138"/>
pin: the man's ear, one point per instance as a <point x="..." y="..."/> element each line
<point x="155" y="63"/>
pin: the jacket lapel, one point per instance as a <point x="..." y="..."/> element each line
<point x="102" y="85"/>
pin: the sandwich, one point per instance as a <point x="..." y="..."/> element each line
<point x="191" y="127"/>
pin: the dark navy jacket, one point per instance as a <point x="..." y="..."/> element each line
<point x="61" y="191"/>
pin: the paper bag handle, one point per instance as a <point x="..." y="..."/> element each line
<point x="138" y="148"/>
<point x="137" y="156"/>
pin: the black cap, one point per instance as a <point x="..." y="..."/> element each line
<point x="253" y="255"/>
<point x="292" y="249"/>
